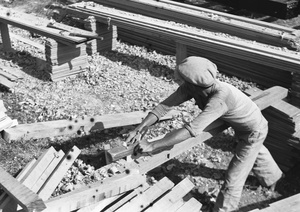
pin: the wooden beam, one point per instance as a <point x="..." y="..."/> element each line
<point x="181" y="52"/>
<point x="28" y="200"/>
<point x="191" y="205"/>
<point x="96" y="192"/>
<point x="58" y="173"/>
<point x="33" y="24"/>
<point x="4" y="198"/>
<point x="143" y="200"/>
<point x="5" y="37"/>
<point x="69" y="127"/>
<point x="177" y="193"/>
<point x="290" y="204"/>
<point x="128" y="198"/>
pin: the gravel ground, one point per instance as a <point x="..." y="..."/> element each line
<point x="129" y="78"/>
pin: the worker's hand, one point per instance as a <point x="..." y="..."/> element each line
<point x="146" y="146"/>
<point x="136" y="135"/>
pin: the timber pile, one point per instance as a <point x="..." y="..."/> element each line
<point x="207" y="19"/>
<point x="5" y="121"/>
<point x="283" y="139"/>
<point x="108" y="32"/>
<point x="264" y="63"/>
<point x="64" y="60"/>
<point x="32" y="189"/>
<point x="65" y="47"/>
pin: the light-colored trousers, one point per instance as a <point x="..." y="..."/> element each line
<point x="250" y="154"/>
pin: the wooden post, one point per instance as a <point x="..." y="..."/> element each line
<point x="107" y="31"/>
<point x="5" y="37"/>
<point x="181" y="52"/>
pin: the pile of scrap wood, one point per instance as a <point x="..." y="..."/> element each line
<point x="9" y="76"/>
<point x="5" y="120"/>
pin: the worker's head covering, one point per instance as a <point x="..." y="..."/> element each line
<point x="197" y="71"/>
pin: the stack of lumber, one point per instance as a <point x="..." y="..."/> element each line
<point x="284" y="9"/>
<point x="208" y="19"/>
<point x="5" y="121"/>
<point x="108" y="32"/>
<point x="229" y="53"/>
<point x="283" y="139"/>
<point x="64" y="60"/>
<point x="65" y="47"/>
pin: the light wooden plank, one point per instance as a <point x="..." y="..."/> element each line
<point x="69" y="127"/>
<point x="191" y="205"/>
<point x="4" y="199"/>
<point x="96" y="192"/>
<point x="33" y="24"/>
<point x="290" y="204"/>
<point x="128" y="197"/>
<point x="56" y="176"/>
<point x="99" y="206"/>
<point x="48" y="172"/>
<point x="177" y="193"/>
<point x="28" y="200"/>
<point x="146" y="198"/>
<point x="32" y="175"/>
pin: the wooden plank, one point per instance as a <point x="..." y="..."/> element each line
<point x="99" y="206"/>
<point x="96" y="192"/>
<point x="6" y="82"/>
<point x="4" y="199"/>
<point x="48" y="172"/>
<point x="290" y="204"/>
<point x="69" y="127"/>
<point x="5" y="37"/>
<point x="191" y="205"/>
<point x="56" y="176"/>
<point x="142" y="201"/>
<point x="33" y="176"/>
<point x="181" y="52"/>
<point x="177" y="193"/>
<point x="33" y="24"/>
<point x="128" y="198"/>
<point x="28" y="200"/>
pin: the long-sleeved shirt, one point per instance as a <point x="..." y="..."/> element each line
<point x="225" y="102"/>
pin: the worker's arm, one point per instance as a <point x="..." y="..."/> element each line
<point x="175" y="99"/>
<point x="170" y="139"/>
